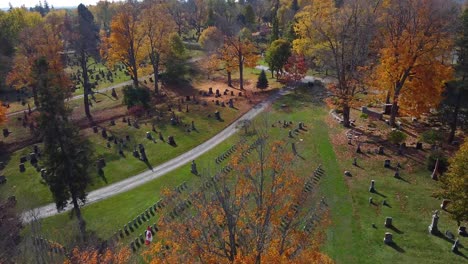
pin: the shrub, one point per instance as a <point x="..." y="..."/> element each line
<point x="396" y="136"/>
<point x="136" y="96"/>
<point x="431" y="136"/>
<point x="443" y="161"/>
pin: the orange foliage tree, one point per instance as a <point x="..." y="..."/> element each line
<point x="338" y="37"/>
<point x="125" y="43"/>
<point x="237" y="53"/>
<point x="94" y="256"/>
<point x="42" y="40"/>
<point x="257" y="213"/>
<point x="2" y="113"/>
<point x="415" y="54"/>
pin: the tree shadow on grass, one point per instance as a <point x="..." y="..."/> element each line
<point x="396" y="247"/>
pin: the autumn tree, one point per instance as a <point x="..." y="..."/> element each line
<point x="257" y="213"/>
<point x="277" y="55"/>
<point x="42" y="40"/>
<point x="296" y="68"/>
<point x="414" y="59"/>
<point x="211" y="38"/>
<point x="84" y="40"/>
<point x="338" y="38"/>
<point x="210" y="64"/>
<point x="455" y="184"/>
<point x="158" y="25"/>
<point x="67" y="156"/>
<point x="125" y="43"/>
<point x="239" y="53"/>
<point x="91" y="255"/>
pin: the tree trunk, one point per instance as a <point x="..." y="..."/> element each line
<point x="387" y="100"/>
<point x="81" y="221"/>
<point x="346" y="114"/>
<point x="394" y="111"/>
<point x="36" y="100"/>
<point x="155" y="62"/>
<point x="86" y="85"/>
<point x="241" y="66"/>
<point x="453" y="124"/>
<point x="229" y="79"/>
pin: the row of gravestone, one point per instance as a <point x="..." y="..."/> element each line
<point x="228" y="152"/>
<point x="48" y="245"/>
<point x="316" y="216"/>
<point x="177" y="210"/>
<point x="131" y="226"/>
<point x="308" y="187"/>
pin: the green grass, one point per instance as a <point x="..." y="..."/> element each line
<point x="31" y="193"/>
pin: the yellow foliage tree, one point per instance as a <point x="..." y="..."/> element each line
<point x="238" y="53"/>
<point x="415" y="55"/>
<point x="257" y="213"/>
<point x="42" y="40"/>
<point x="158" y="25"/>
<point x="455" y="184"/>
<point x="125" y="43"/>
<point x="338" y="38"/>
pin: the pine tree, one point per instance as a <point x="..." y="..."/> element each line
<point x="262" y="82"/>
<point x="66" y="156"/>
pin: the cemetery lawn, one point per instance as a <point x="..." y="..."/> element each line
<point x="410" y="204"/>
<point x="27" y="186"/>
<point x="108" y="216"/>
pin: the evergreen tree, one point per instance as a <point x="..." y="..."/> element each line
<point x="66" y="155"/>
<point x="275" y="29"/>
<point x="262" y="82"/>
<point x="85" y="41"/>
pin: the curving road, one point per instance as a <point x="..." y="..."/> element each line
<point x="144" y="177"/>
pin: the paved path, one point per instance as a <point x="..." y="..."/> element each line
<point x="144" y="177"/>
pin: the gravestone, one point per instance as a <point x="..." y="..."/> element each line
<point x="104" y="133"/>
<point x="372" y="187"/>
<point x="290" y="134"/>
<point x="95" y="129"/>
<point x="101" y="163"/>
<point x="171" y="140"/>
<point x="419" y="145"/>
<point x="33" y="158"/>
<point x="381" y="150"/>
<point x="36" y="149"/>
<point x="217" y="115"/>
<point x="217" y="93"/>
<point x="294" y="150"/>
<point x="388" y="239"/>
<point x="240" y="94"/>
<point x="43" y="173"/>
<point x="23" y="159"/>
<point x="370" y="200"/>
<point x="173" y="121"/>
<point x="388" y="222"/>
<point x="231" y="103"/>
<point x="232" y="93"/>
<point x="462" y="231"/>
<point x="148" y="135"/>
<point x="355" y="161"/>
<point x="397" y="173"/>
<point x="22" y="168"/>
<point x="387" y="163"/>
<point x="217" y="102"/>
<point x="112" y="122"/>
<point x="161" y="136"/>
<point x="347" y="173"/>
<point x="114" y="93"/>
<point x="193" y="168"/>
<point x="3" y="179"/>
<point x="435" y="220"/>
<point x="129" y="122"/>
<point x="358" y="149"/>
<point x="210" y="90"/>
<point x="444" y="204"/>
<point x="193" y="125"/>
<point x="455" y="246"/>
<point x="301" y="125"/>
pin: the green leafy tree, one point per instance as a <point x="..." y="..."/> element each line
<point x="262" y="82"/>
<point x="455" y="184"/>
<point x="277" y="55"/>
<point x="175" y="64"/>
<point x="66" y="156"/>
<point x="275" y="29"/>
<point x="136" y="96"/>
<point x="249" y="15"/>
